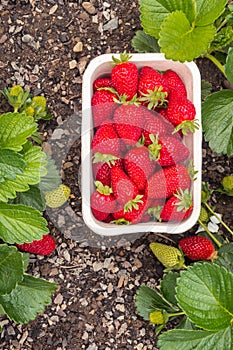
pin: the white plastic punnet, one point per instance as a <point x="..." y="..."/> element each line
<point x="101" y="66"/>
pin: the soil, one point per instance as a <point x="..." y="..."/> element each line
<point x="93" y="307"/>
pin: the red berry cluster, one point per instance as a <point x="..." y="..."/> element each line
<point x="139" y="158"/>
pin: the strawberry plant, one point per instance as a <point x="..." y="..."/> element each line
<point x="28" y="178"/>
<point x="197" y="296"/>
<point x="184" y="31"/>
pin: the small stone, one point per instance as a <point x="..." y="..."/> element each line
<point x="97" y="266"/>
<point x="53" y="9"/>
<point x="111" y="25"/>
<point x="27" y="38"/>
<point x="120" y="307"/>
<point x="59" y="299"/>
<point x="3" y="38"/>
<point x="78" y="47"/>
<point x="73" y="64"/>
<point x="82" y="65"/>
<point x="89" y="7"/>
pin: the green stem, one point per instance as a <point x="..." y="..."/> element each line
<point x="175" y="314"/>
<point x="216" y="62"/>
<point x="220" y="220"/>
<point x="209" y="233"/>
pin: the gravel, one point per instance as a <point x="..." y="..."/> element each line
<point x="45" y="47"/>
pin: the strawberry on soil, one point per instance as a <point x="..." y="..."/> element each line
<point x="138" y="116"/>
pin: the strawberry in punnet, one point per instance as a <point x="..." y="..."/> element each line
<point x="198" y="248"/>
<point x="178" y="207"/>
<point x="124" y="189"/>
<point x="152" y="88"/>
<point x="154" y="125"/>
<point x="124" y="76"/>
<point x="138" y="166"/>
<point x="103" y="105"/>
<point x="106" y="141"/>
<point x="175" y="83"/>
<point x="167" y="181"/>
<point x="167" y="150"/>
<point x="102" y="165"/>
<point x="132" y="213"/>
<point x="181" y="113"/>
<point x="44" y="246"/>
<point x="102" y="201"/>
<point x="102" y="83"/>
<point x="129" y="120"/>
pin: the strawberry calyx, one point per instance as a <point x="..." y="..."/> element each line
<point x="192" y="171"/>
<point x="121" y="221"/>
<point x="124" y="57"/>
<point x="123" y="99"/>
<point x="155" y="98"/>
<point x="104" y="158"/>
<point x="103" y="189"/>
<point x="155" y="212"/>
<point x="133" y="203"/>
<point x="155" y="147"/>
<point x="185" y="199"/>
<point x="187" y="126"/>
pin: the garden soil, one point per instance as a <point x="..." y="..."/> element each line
<point x="45" y="47"/>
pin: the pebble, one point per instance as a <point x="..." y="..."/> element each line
<point x="3" y="38"/>
<point x="78" y="47"/>
<point x="111" y="25"/>
<point x="73" y="64"/>
<point x="89" y="7"/>
<point x="53" y="9"/>
<point x="27" y="38"/>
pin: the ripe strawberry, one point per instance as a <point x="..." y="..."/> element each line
<point x="175" y="83"/>
<point x="103" y="105"/>
<point x="102" y="201"/>
<point x="133" y="212"/>
<point x="44" y="246"/>
<point x="178" y="207"/>
<point x="167" y="181"/>
<point x="170" y="257"/>
<point x="129" y="120"/>
<point x="152" y="87"/>
<point x="197" y="248"/>
<point x="181" y="113"/>
<point x="139" y="166"/>
<point x="57" y="197"/>
<point x="153" y="125"/>
<point x="123" y="187"/>
<point x="102" y="83"/>
<point x="124" y="76"/>
<point x="167" y="150"/>
<point x="106" y="140"/>
<point x="102" y="168"/>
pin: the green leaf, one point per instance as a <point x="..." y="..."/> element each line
<point x="20" y="223"/>
<point x="15" y="128"/>
<point x="32" y="198"/>
<point x="206" y="88"/>
<point x="11" y="268"/>
<point x="222" y="39"/>
<point x="35" y="160"/>
<point x="226" y="260"/>
<point x="143" y="42"/>
<point x="154" y="12"/>
<point x="204" y="293"/>
<point x="229" y="64"/>
<point x="217" y="121"/>
<point x="185" y="323"/>
<point x="26" y="258"/>
<point x="27" y="299"/>
<point x="52" y="179"/>
<point x="196" y="340"/>
<point x="149" y="300"/>
<point x="181" y="41"/>
<point x="208" y="11"/>
<point x="226" y="248"/>
<point x="168" y="285"/>
<point x="11" y="164"/>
